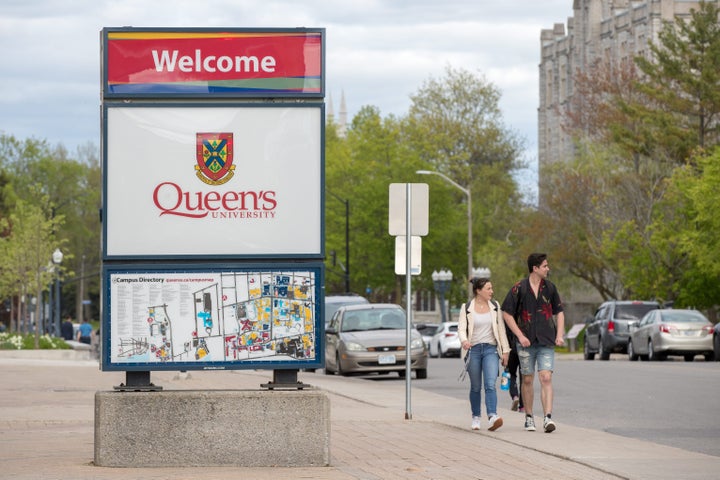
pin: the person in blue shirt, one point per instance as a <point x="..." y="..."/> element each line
<point x="85" y="332"/>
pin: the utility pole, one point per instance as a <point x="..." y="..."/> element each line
<point x="79" y="306"/>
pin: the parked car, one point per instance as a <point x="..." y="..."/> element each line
<point x="372" y="339"/>
<point x="608" y="331"/>
<point x="671" y="332"/>
<point x="427" y="330"/>
<point x="716" y="342"/>
<point x="333" y="302"/>
<point x="446" y="341"/>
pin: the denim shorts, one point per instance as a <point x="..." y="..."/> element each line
<point x="535" y="355"/>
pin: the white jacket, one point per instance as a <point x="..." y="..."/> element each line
<point x="465" y="327"/>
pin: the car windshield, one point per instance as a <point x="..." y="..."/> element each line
<point x="428" y="329"/>
<point x="373" y="319"/>
<point x="633" y="311"/>
<point x="683" y="317"/>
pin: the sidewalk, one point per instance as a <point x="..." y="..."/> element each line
<point x="47" y="428"/>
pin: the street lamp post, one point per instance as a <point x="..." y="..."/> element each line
<point x="481" y="272"/>
<point x="346" y="202"/>
<point x="467" y="193"/>
<point x="57" y="258"/>
<point x="441" y="282"/>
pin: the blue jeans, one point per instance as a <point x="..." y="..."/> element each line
<point x="483" y="367"/>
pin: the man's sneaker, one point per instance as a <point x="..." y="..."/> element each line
<point x="495" y="423"/>
<point x="529" y="423"/>
<point x="548" y="425"/>
<point x="475" y="423"/>
<point x="516" y="402"/>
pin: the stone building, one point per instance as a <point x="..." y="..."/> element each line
<point x="613" y="30"/>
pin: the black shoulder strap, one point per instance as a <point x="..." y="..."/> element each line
<point x="467" y="320"/>
<point x="521" y="294"/>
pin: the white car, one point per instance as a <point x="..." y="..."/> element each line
<point x="446" y="341"/>
<point x="427" y="330"/>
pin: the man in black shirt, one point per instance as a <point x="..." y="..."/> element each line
<point x="533" y="312"/>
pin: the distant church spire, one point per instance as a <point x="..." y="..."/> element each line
<point x="342" y="123"/>
<point x="342" y="115"/>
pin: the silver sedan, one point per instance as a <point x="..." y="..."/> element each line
<point x="666" y="332"/>
<point x="372" y="338"/>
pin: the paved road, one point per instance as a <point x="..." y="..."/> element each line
<point x="665" y="402"/>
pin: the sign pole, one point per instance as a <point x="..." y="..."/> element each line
<point x="408" y="299"/>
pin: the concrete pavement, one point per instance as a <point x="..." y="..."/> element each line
<point x="47" y="431"/>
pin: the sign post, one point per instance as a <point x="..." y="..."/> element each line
<point x="408" y="217"/>
<point x="213" y="199"/>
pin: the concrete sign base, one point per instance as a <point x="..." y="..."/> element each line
<point x="251" y="428"/>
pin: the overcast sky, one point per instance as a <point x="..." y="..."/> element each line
<point x="378" y="52"/>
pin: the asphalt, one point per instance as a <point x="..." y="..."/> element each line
<point x="47" y="429"/>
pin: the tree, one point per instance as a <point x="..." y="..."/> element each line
<point x="359" y="170"/>
<point x="456" y="128"/>
<point x="695" y="192"/>
<point x="29" y="247"/>
<point x="70" y="187"/>
<point x="682" y="77"/>
<point x="635" y="128"/>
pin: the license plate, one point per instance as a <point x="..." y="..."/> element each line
<point x="386" y="359"/>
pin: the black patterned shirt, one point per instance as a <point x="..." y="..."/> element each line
<point x="534" y="316"/>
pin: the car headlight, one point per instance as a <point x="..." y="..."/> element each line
<point x="417" y="343"/>
<point x="354" y="347"/>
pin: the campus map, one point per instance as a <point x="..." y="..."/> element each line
<point x="212" y="317"/>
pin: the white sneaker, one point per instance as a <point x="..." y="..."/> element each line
<point x="476" y="423"/>
<point x="495" y="423"/>
<point x="548" y="425"/>
<point x="529" y="423"/>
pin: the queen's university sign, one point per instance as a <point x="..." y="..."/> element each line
<point x="213" y="173"/>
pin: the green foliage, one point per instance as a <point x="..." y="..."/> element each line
<point x="683" y="80"/>
<point x="454" y="127"/>
<point x="635" y="213"/>
<point x="15" y="341"/>
<point x="67" y="192"/>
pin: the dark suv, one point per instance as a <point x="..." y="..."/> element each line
<point x="608" y="331"/>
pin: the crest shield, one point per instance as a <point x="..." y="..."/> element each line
<point x="214" y="155"/>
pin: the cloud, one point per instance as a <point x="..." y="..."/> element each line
<point x="378" y="52"/>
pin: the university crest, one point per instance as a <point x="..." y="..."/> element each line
<point x="214" y="155"/>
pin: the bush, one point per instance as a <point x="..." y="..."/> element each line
<point x="16" y="341"/>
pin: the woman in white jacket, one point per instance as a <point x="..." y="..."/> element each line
<point x="482" y="334"/>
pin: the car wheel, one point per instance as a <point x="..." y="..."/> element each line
<point x="631" y="352"/>
<point x="421" y="373"/>
<point x="604" y="355"/>
<point x="716" y="347"/>
<point x="654" y="356"/>
<point x="586" y="351"/>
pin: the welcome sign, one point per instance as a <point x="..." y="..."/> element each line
<point x="209" y="62"/>
<point x="212" y="215"/>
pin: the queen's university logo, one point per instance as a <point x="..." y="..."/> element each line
<point x="214" y="157"/>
